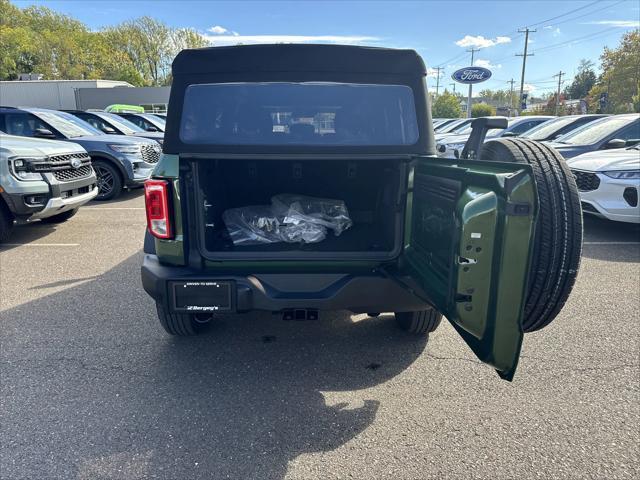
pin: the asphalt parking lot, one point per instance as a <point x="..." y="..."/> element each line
<point x="92" y="388"/>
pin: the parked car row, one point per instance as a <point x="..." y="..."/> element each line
<point x="122" y="154"/>
<point x="602" y="152"/>
<point x="52" y="162"/>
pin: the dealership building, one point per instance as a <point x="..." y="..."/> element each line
<point x="81" y="94"/>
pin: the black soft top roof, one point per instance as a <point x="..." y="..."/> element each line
<point x="298" y="58"/>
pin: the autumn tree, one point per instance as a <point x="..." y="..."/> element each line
<point x="620" y="77"/>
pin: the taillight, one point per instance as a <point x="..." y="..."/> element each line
<point x="156" y="197"/>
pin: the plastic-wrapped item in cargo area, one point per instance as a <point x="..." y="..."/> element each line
<point x="328" y="212"/>
<point x="290" y="218"/>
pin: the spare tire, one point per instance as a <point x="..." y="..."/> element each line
<point x="558" y="232"/>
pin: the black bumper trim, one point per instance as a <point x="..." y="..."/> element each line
<point x="372" y="292"/>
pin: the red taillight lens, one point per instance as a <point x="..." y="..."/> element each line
<point x="156" y="197"/>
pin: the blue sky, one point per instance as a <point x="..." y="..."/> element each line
<point x="439" y="31"/>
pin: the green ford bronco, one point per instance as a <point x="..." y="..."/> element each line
<point x="303" y="178"/>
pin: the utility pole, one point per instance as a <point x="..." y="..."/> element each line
<point x="512" y="81"/>
<point x="473" y="51"/>
<point x="438" y="79"/>
<point x="559" y="75"/>
<point x="524" y="59"/>
<point x="453" y="84"/>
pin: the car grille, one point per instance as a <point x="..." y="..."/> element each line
<point x="61" y="168"/>
<point x="586" y="181"/>
<point x="150" y="153"/>
<point x="72" y="174"/>
<point x="57" y="159"/>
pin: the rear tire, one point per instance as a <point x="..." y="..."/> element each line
<point x="182" y="324"/>
<point x="109" y="180"/>
<point x="421" y="322"/>
<point x="61" y="217"/>
<point x="6" y="222"/>
<point x="558" y="234"/>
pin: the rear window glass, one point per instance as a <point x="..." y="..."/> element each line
<point x="299" y="114"/>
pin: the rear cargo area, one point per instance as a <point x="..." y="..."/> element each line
<point x="372" y="190"/>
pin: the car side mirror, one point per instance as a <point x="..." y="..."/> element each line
<point x="615" y="143"/>
<point x="151" y="128"/>
<point x="108" y="130"/>
<point x="43" y="133"/>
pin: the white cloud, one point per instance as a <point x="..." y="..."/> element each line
<point x="480" y="42"/>
<point x="556" y="32"/>
<point x="617" y="23"/>
<point x="235" y="39"/>
<point x="486" y="64"/>
<point x="547" y="27"/>
<point x="218" y="30"/>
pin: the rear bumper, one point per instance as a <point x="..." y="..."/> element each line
<point x="275" y="292"/>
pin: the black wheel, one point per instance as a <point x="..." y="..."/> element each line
<point x="109" y="180"/>
<point x="423" y="321"/>
<point x="558" y="239"/>
<point x="182" y="324"/>
<point x="6" y="222"/>
<point x="61" y="217"/>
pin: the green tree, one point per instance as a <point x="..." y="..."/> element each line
<point x="446" y="105"/>
<point x="620" y="77"/>
<point x="482" y="110"/>
<point x="583" y="82"/>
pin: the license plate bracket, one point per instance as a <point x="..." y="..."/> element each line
<point x="196" y="296"/>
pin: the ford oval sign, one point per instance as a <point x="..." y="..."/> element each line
<point x="471" y="75"/>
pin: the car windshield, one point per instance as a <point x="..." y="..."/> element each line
<point x="283" y="113"/>
<point x="595" y="131"/>
<point x="548" y="128"/>
<point x="68" y="125"/>
<point x="122" y="124"/>
<point x="156" y="121"/>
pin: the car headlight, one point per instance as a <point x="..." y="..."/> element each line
<point x="624" y="174"/>
<point x="126" y="149"/>
<point x="21" y="169"/>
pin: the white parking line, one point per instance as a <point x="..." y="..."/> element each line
<point x="39" y="245"/>
<point x="611" y="243"/>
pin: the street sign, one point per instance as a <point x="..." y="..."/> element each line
<point x="470" y="75"/>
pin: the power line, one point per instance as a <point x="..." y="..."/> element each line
<point x="587" y="14"/>
<point x="584" y="37"/>
<point x="564" y="14"/>
<point x="501" y="59"/>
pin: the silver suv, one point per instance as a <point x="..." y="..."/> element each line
<point x="42" y="179"/>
